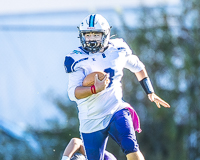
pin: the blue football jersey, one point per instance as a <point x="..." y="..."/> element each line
<point x="96" y="110"/>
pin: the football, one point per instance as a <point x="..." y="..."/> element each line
<point x="89" y="79"/>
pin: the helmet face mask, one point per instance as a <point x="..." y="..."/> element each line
<point x="91" y="24"/>
<point x="93" y="46"/>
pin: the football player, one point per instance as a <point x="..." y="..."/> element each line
<point x="102" y="112"/>
<point x="75" y="151"/>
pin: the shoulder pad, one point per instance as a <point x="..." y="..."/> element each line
<point x="118" y="43"/>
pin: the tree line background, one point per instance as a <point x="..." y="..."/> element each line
<point x="169" y="46"/>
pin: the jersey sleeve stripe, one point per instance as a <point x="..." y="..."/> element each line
<point x="70" y="63"/>
<point x="73" y="65"/>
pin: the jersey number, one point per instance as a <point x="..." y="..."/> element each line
<point x="111" y="72"/>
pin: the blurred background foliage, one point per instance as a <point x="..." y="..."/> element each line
<point x="169" y="46"/>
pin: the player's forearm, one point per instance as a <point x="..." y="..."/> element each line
<point x="82" y="92"/>
<point x="141" y="74"/>
<point x="144" y="80"/>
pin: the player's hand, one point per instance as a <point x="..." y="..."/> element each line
<point x="154" y="98"/>
<point x="101" y="85"/>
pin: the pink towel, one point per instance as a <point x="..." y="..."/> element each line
<point x="135" y="118"/>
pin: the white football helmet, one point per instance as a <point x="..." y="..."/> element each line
<point x="94" y="23"/>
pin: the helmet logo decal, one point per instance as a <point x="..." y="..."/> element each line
<point x="90" y="27"/>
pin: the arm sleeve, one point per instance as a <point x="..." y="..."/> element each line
<point x="132" y="61"/>
<point x="134" y="64"/>
<point x="75" y="79"/>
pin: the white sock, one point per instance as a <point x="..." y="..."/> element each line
<point x="65" y="158"/>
